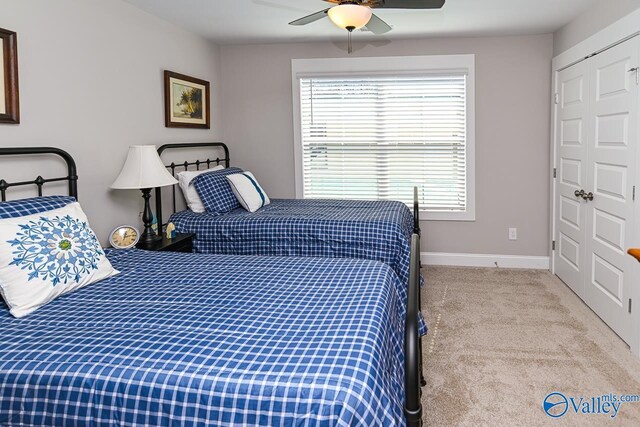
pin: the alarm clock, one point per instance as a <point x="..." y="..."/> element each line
<point x="124" y="237"/>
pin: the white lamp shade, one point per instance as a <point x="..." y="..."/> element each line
<point x="350" y="15"/>
<point x="143" y="169"/>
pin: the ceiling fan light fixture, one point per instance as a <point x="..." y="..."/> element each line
<point x="350" y="16"/>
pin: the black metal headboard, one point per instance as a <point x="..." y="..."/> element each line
<point x="183" y="166"/>
<point x="72" y="175"/>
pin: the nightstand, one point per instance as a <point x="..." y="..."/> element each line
<point x="180" y="243"/>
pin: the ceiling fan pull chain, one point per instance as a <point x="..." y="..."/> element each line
<point x="350" y="29"/>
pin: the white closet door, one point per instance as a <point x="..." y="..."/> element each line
<point x="572" y="122"/>
<point x="612" y="143"/>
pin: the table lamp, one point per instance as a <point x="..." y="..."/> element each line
<point x="143" y="170"/>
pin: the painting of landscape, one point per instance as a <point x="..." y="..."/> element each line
<point x="9" y="99"/>
<point x="186" y="101"/>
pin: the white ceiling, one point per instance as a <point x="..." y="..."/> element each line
<point x="265" y="21"/>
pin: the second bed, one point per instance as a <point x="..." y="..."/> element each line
<point x="373" y="230"/>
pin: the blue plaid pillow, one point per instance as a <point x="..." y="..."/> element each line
<point x="215" y="191"/>
<point x="35" y="205"/>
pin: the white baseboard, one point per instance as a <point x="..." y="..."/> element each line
<point x="482" y="260"/>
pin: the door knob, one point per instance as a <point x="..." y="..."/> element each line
<point x="579" y="193"/>
<point x="588" y="196"/>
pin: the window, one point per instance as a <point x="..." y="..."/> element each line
<point x="376" y="135"/>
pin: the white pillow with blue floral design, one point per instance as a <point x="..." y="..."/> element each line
<point x="46" y="255"/>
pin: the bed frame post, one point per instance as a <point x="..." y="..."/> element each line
<point x="412" y="353"/>
<point x="416" y="212"/>
<point x="418" y="231"/>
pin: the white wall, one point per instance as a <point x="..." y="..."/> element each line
<point x="91" y="82"/>
<point x="602" y="14"/>
<point x="512" y="132"/>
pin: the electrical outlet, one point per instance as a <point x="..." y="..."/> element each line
<point x="513" y="234"/>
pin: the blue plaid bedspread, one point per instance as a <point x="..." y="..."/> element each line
<point x="184" y="339"/>
<point x="375" y="230"/>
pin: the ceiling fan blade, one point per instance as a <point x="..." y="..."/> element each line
<point x="377" y="25"/>
<point x="310" y="18"/>
<point x="412" y="4"/>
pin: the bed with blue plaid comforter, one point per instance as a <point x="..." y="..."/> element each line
<point x="184" y="339"/>
<point x="375" y="230"/>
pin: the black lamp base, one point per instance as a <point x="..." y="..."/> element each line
<point x="148" y="236"/>
<point x="148" y="239"/>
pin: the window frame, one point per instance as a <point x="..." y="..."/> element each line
<point x="395" y="66"/>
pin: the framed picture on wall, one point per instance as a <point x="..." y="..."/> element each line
<point x="9" y="104"/>
<point x="186" y="101"/>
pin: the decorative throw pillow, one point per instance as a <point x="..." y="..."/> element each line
<point x="215" y="191"/>
<point x="185" y="180"/>
<point x="35" y="205"/>
<point x="46" y="255"/>
<point x="248" y="192"/>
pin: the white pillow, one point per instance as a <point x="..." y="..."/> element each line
<point x="247" y="190"/>
<point x="46" y="255"/>
<point x="185" y="181"/>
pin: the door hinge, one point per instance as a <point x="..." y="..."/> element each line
<point x="629" y="305"/>
<point x="636" y="70"/>
<point x="556" y="98"/>
<point x="553" y="245"/>
<point x="633" y="195"/>
<point x="555" y="172"/>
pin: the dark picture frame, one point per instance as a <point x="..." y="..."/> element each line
<point x="9" y="99"/>
<point x="187" y="101"/>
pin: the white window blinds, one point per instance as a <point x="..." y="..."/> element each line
<point x="378" y="137"/>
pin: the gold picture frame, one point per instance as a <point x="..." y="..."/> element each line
<point x="9" y="99"/>
<point x="187" y="101"/>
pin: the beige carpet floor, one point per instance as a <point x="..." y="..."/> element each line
<point x="501" y="340"/>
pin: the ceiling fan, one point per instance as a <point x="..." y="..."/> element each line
<point x="355" y="14"/>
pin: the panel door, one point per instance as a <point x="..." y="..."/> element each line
<point x="612" y="143"/>
<point x="571" y="155"/>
